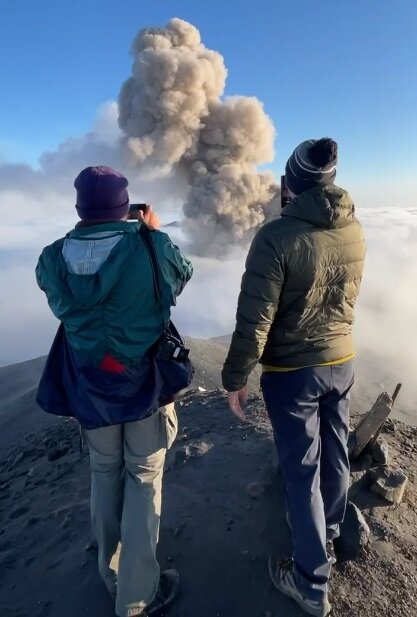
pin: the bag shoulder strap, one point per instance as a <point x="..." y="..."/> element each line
<point x="145" y="234"/>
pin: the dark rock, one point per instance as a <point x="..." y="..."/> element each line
<point x="390" y="484"/>
<point x="365" y="461"/>
<point x="189" y="451"/>
<point x="380" y="452"/>
<point x="362" y="463"/>
<point x="57" y="453"/>
<point x="354" y="534"/>
<point x="389" y="426"/>
<point x="378" y="472"/>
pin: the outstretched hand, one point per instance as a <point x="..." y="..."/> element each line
<point x="149" y="218"/>
<point x="237" y="400"/>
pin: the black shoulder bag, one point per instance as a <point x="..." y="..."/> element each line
<point x="169" y="353"/>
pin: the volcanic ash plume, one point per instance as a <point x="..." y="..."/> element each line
<point x="175" y="121"/>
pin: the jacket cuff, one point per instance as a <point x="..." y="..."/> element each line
<point x="232" y="382"/>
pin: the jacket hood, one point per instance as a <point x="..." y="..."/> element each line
<point x="82" y="291"/>
<point x="326" y="207"/>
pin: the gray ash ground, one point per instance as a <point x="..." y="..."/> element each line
<point x="217" y="527"/>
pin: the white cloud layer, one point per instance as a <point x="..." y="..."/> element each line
<point x="385" y="332"/>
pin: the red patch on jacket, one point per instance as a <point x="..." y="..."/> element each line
<point x="111" y="365"/>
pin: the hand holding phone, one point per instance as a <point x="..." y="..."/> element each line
<point x="144" y="214"/>
<point x="134" y="210"/>
<point x="149" y="218"/>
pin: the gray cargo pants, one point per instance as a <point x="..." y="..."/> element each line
<point x="127" y="462"/>
<point x="309" y="413"/>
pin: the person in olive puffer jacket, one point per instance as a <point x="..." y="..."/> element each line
<point x="295" y="316"/>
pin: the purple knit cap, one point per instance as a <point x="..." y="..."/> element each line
<point x="101" y="194"/>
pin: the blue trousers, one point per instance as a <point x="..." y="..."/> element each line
<point x="309" y="413"/>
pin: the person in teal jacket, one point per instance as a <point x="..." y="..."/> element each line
<point x="99" y="283"/>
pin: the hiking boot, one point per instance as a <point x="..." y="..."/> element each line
<point x="169" y="584"/>
<point x="282" y="577"/>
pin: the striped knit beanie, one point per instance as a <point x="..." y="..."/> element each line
<point x="312" y="163"/>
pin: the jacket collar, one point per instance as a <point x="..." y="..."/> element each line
<point x="112" y="226"/>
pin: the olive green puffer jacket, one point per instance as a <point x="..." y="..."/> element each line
<point x="302" y="278"/>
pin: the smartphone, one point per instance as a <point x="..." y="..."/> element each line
<point x="285" y="196"/>
<point x="134" y="209"/>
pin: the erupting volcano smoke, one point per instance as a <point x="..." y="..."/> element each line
<point x="175" y="121"/>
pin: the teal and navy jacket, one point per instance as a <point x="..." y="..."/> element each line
<point x="99" y="283"/>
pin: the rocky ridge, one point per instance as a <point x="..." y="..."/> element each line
<point x="223" y="514"/>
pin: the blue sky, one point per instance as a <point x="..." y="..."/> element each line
<point x="345" y="69"/>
